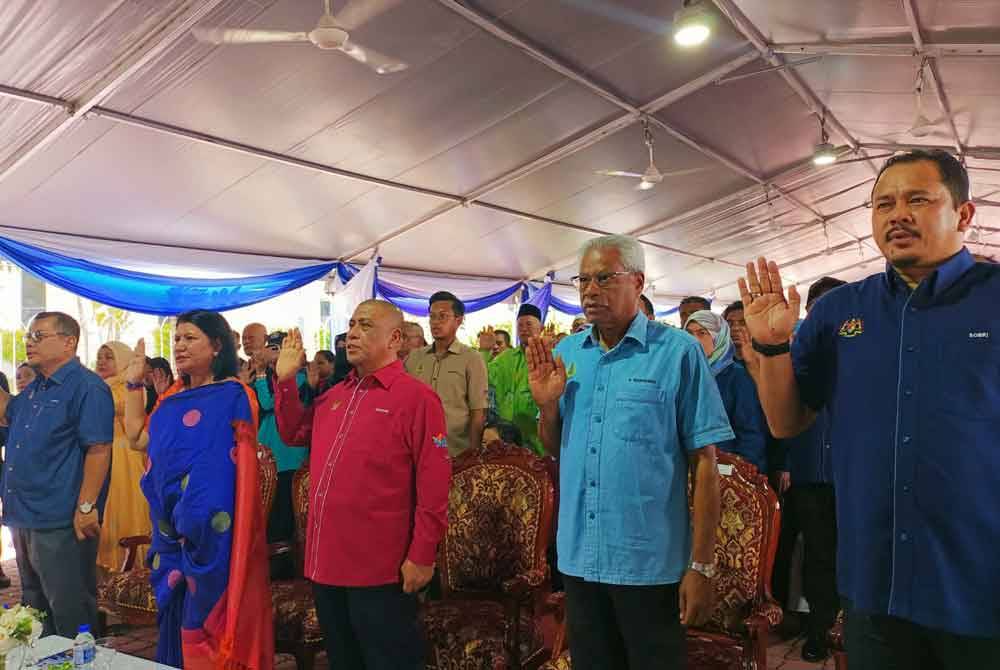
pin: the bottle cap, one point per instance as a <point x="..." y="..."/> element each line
<point x="84" y="628"/>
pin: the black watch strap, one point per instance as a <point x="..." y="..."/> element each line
<point x="771" y="349"/>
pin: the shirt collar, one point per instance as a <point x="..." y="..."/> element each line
<point x="938" y="281"/>
<point x="636" y="331"/>
<point x="66" y="369"/>
<point x="455" y="348"/>
<point x="384" y="376"/>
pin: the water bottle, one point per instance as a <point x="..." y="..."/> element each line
<point x="84" y="649"/>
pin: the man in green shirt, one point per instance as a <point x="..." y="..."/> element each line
<point x="509" y="380"/>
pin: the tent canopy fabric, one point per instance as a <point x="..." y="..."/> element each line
<point x="116" y="125"/>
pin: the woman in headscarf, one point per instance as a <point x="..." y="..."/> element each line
<point x="739" y="394"/>
<point x="126" y="512"/>
<point x="208" y="556"/>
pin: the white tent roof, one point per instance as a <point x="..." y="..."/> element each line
<point x="115" y="123"/>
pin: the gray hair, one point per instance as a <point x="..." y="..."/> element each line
<point x="632" y="253"/>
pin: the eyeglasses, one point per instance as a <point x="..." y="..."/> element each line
<point x="602" y="279"/>
<point x="440" y="316"/>
<point x="37" y="336"/>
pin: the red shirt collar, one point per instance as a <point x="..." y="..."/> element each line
<point x="384" y="376"/>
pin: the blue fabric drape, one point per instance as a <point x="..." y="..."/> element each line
<point x="154" y="294"/>
<point x="542" y="299"/>
<point x="416" y="303"/>
<point x="564" y="306"/>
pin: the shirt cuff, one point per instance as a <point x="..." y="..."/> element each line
<point x="422" y="552"/>
<point x="707" y="437"/>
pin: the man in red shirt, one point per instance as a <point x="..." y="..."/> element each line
<point x="378" y="497"/>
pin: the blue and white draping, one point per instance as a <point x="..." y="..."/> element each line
<point x="162" y="294"/>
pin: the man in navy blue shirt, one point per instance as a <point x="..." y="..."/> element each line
<point x="54" y="476"/>
<point x="629" y="407"/>
<point x="907" y="363"/>
<point x="808" y="507"/>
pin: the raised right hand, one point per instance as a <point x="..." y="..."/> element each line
<point x="487" y="338"/>
<point x="135" y="373"/>
<point x="546" y="372"/>
<point x="312" y="375"/>
<point x="292" y="356"/>
<point x="770" y="317"/>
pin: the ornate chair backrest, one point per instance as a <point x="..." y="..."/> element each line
<point x="300" y="505"/>
<point x="268" y="477"/>
<point x="500" y="511"/>
<point x="745" y="541"/>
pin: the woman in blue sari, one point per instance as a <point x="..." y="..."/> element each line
<point x="208" y="554"/>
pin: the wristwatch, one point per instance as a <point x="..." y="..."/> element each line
<point x="707" y="570"/>
<point x="86" y="507"/>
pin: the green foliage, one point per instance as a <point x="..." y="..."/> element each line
<point x="13" y="348"/>
<point x="161" y="340"/>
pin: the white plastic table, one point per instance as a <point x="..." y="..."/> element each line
<point x="55" y="644"/>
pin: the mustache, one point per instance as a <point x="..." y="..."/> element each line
<point x="898" y="228"/>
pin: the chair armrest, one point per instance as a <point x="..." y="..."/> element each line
<point x="525" y="583"/>
<point x="765" y="616"/>
<point x="132" y="544"/>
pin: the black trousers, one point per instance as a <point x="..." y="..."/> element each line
<point x="879" y="642"/>
<point x="624" y="627"/>
<point x="281" y="525"/>
<point x="370" y="628"/>
<point x="58" y="577"/>
<point x="810" y="509"/>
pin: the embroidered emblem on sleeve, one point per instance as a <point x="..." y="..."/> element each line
<point x="440" y="441"/>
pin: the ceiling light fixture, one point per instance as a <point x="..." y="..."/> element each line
<point x="825" y="153"/>
<point x="692" y="24"/>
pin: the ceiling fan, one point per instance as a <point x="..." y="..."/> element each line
<point x="652" y="176"/>
<point x="330" y="34"/>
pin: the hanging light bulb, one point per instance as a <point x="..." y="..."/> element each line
<point x="824" y="153"/>
<point x="692" y="24"/>
<point x="645" y="185"/>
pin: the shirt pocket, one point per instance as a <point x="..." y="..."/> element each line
<point x="638" y="415"/>
<point x="966" y="382"/>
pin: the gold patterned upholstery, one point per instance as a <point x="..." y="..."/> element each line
<point x="129" y="595"/>
<point x="837" y="642"/>
<point x="494" y="575"/>
<point x="561" y="662"/>
<point x="745" y="543"/>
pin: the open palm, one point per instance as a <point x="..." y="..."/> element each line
<point x="770" y="317"/>
<point x="291" y="357"/>
<point x="546" y="372"/>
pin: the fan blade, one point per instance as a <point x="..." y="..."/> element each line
<point x="681" y="173"/>
<point x="379" y="62"/>
<point x="356" y="13"/>
<point x="619" y="173"/>
<point x="245" y="36"/>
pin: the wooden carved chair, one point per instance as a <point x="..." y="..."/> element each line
<point x="746" y="541"/>
<point x="128" y="594"/>
<point x="296" y="626"/>
<point x="494" y="575"/>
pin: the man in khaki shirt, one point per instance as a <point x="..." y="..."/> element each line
<point x="456" y="372"/>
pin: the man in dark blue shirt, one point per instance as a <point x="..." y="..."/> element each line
<point x="907" y="363"/>
<point x="808" y="508"/>
<point x="54" y="476"/>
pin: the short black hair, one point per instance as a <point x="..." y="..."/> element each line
<point x="733" y="307"/>
<point x="330" y="357"/>
<point x="697" y="299"/>
<point x="509" y="432"/>
<point x="65" y="324"/>
<point x="647" y="304"/>
<point x="953" y="174"/>
<point x="457" y="306"/>
<point x="504" y="334"/>
<point x="822" y="286"/>
<point x="217" y="329"/>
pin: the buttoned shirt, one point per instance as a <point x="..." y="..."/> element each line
<point x="911" y="379"/>
<point x="379" y="475"/>
<point x="809" y="456"/>
<point x="739" y="395"/>
<point x="52" y="424"/>
<point x="459" y="378"/>
<point x="630" y="416"/>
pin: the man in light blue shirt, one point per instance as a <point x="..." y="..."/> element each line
<point x="628" y="407"/>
